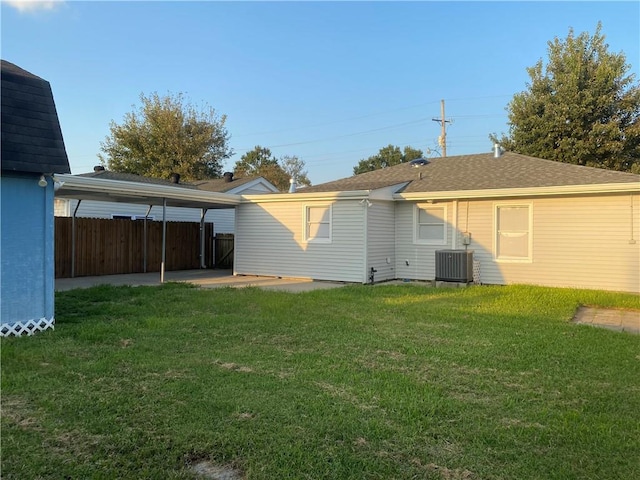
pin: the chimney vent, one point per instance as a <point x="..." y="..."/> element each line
<point x="175" y="178"/>
<point x="497" y="151"/>
<point x="292" y="185"/>
<point x="98" y="168"/>
<point x="228" y="177"/>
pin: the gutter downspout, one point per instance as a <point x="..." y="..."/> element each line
<point x="164" y="239"/>
<point x="365" y="273"/>
<point x="73" y="240"/>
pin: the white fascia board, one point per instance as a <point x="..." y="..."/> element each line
<point x="523" y="192"/>
<point x="305" y="197"/>
<point x="137" y="190"/>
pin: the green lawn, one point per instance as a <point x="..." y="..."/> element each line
<point x="361" y="382"/>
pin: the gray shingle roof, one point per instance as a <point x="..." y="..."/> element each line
<point x="31" y="137"/>
<point x="131" y="177"/>
<point x="477" y="172"/>
<point x="219" y="185"/>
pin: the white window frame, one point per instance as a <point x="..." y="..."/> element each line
<point x="305" y="224"/>
<point x="416" y="224"/>
<point x="496" y="253"/>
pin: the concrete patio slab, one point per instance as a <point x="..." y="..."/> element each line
<point x="202" y="278"/>
<point x="612" y="319"/>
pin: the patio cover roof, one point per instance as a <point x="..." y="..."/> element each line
<point x="173" y="195"/>
<point x="176" y="195"/>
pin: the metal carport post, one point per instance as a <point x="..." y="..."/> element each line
<point x="164" y="239"/>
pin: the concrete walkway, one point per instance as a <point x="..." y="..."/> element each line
<point x="619" y="320"/>
<point x="203" y="278"/>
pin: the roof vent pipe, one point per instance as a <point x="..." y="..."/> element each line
<point x="175" y="178"/>
<point x="228" y="177"/>
<point x="98" y="168"/>
<point x="497" y="150"/>
<point x="292" y="185"/>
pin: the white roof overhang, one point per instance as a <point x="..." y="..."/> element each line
<point x="88" y="188"/>
<point x="629" y="187"/>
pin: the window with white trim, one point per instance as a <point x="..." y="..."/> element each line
<point x="317" y="223"/>
<point x="513" y="224"/>
<point x="430" y="224"/>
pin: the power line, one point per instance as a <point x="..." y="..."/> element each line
<point x="359" y="117"/>
<point x="413" y="122"/>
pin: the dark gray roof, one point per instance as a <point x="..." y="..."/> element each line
<point x="477" y="172"/>
<point x="132" y="177"/>
<point x="219" y="185"/>
<point x="31" y="136"/>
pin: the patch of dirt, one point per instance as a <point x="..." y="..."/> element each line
<point x="206" y="469"/>
<point x="447" y="473"/>
<point x="343" y="394"/>
<point x="16" y="411"/>
<point x="234" y="367"/>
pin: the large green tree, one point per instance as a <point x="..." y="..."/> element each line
<point x="165" y="135"/>
<point x="582" y="107"/>
<point x="387" y="157"/>
<point x="261" y="162"/>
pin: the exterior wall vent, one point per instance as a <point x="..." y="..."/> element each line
<point x="454" y="266"/>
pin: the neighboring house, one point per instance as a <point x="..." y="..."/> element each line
<point x="32" y="150"/>
<point x="527" y="220"/>
<point x="223" y="219"/>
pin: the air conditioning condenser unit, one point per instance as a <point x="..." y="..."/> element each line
<point x="454" y="266"/>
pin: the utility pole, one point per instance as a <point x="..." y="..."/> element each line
<point x="442" y="139"/>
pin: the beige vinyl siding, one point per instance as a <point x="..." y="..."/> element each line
<point x="270" y="241"/>
<point x="381" y="240"/>
<point x="416" y="261"/>
<point x="577" y="242"/>
<point x="223" y="219"/>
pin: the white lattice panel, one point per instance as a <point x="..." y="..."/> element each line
<point x="26" y="328"/>
<point x="476" y="272"/>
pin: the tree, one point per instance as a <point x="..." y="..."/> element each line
<point x="261" y="163"/>
<point x="387" y="157"/>
<point x="294" y="168"/>
<point x="581" y="108"/>
<point x="168" y="135"/>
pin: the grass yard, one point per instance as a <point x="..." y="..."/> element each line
<point x="360" y="382"/>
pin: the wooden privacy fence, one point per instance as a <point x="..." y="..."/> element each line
<point x="108" y="247"/>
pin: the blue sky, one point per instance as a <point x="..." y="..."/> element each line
<point x="330" y="82"/>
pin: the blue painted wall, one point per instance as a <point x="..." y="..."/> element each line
<point x="27" y="267"/>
